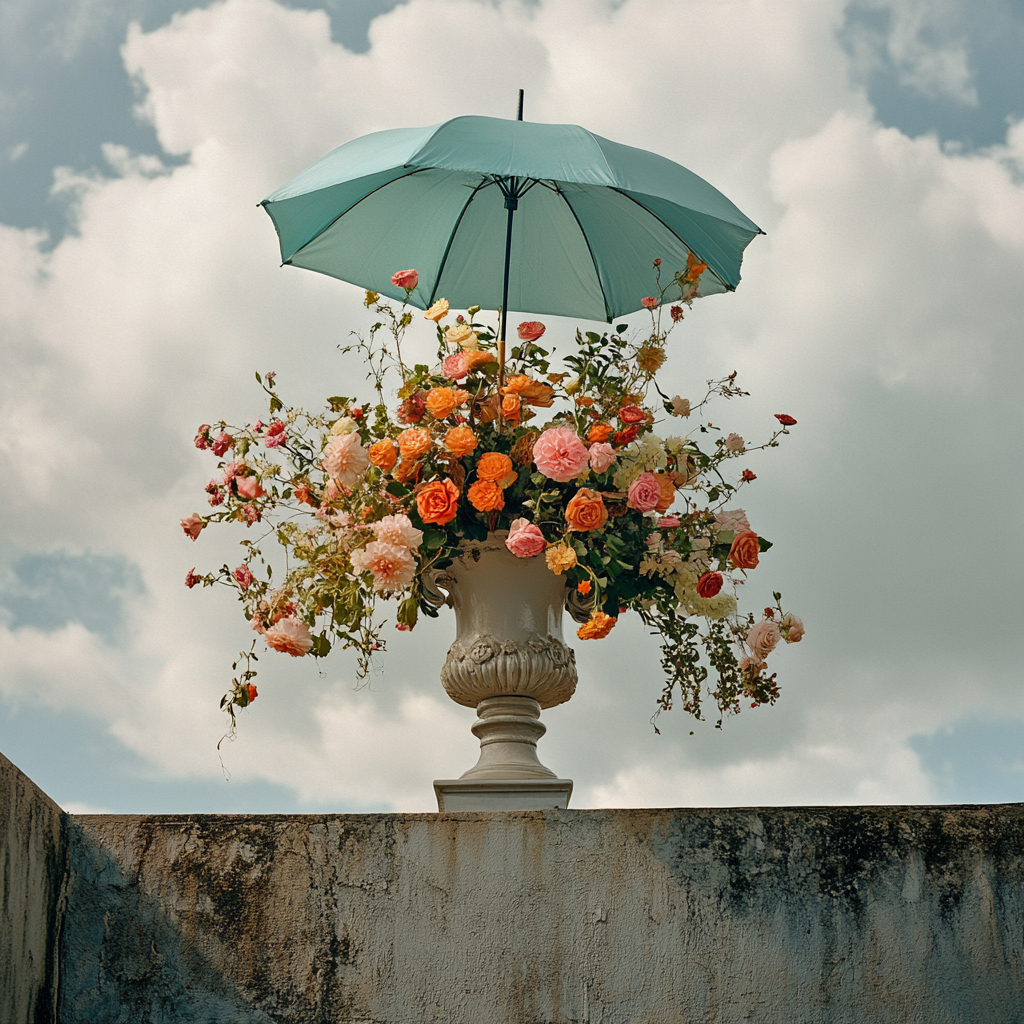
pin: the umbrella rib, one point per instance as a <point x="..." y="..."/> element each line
<point x="675" y="234"/>
<point x="597" y="272"/>
<point x="451" y="239"/>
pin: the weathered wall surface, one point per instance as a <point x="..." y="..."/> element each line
<point x="798" y="915"/>
<point x="32" y="873"/>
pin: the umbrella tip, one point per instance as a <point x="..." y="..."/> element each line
<point x="519" y="116"/>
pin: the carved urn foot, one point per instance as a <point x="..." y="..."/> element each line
<point x="509" y="662"/>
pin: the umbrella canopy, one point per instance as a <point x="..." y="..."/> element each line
<point x="590" y="216"/>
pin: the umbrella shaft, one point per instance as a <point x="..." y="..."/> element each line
<point x="510" y="205"/>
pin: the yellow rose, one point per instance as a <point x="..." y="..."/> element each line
<point x="438" y="311"/>
<point x="462" y="336"/>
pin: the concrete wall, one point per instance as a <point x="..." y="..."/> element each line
<point x="780" y="915"/>
<point x="32" y="873"/>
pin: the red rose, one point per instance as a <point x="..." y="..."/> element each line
<point x="677" y="313"/>
<point x="632" y="414"/>
<point x="623" y="437"/>
<point x="747" y="476"/>
<point x="709" y="584"/>
<point x="785" y="419"/>
<point x="657" y="262"/>
<point x="745" y="550"/>
<point x="407" y="279"/>
<point x="531" y="330"/>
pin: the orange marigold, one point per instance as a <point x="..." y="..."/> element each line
<point x="586" y="511"/>
<point x="598" y="626"/>
<point x="383" y="454"/>
<point x="486" y="496"/>
<point x="442" y="402"/>
<point x="497" y="468"/>
<point x="599" y="432"/>
<point x="414" y="443"/>
<point x="460" y="441"/>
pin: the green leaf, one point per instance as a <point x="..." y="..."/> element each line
<point x="619" y="328"/>
<point x="433" y="539"/>
<point x="321" y="646"/>
<point x="763" y="544"/>
<point x="275" y="403"/>
<point x="397" y="489"/>
<point x="259" y="379"/>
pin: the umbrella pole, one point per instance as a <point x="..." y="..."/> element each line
<point x="511" y="204"/>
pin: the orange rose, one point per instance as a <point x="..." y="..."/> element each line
<point x="668" y="492"/>
<point x="383" y="454"/>
<point x="475" y="358"/>
<point x="442" y="402"/>
<point x="598" y="626"/>
<point x="510" y="408"/>
<point x="460" y="441"/>
<point x="599" y="432"/>
<point x="406" y="470"/>
<point x="486" y="496"/>
<point x="494" y="466"/>
<point x="530" y="391"/>
<point x="745" y="550"/>
<point x="586" y="511"/>
<point x="414" y="443"/>
<point x="438" y="502"/>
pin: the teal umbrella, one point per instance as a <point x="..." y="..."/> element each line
<point x="545" y="218"/>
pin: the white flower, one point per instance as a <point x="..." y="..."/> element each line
<point x="680" y="406"/>
<point x="343" y="425"/>
<point x="734" y="443"/>
<point x="345" y="459"/>
<point x="393" y="565"/>
<point x="398" y="530"/>
<point x="674" y="444"/>
<point x="642" y="456"/>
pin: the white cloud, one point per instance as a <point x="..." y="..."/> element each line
<point x="882" y="310"/>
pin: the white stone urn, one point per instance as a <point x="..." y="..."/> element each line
<point x="509" y="662"/>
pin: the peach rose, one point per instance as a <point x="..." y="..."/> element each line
<point x="762" y="638"/>
<point x="598" y="626"/>
<point x="734" y="443"/>
<point x="438" y="311"/>
<point x="438" y="502"/>
<point x="193" y="526"/>
<point x="460" y="441"/>
<point x="496" y="467"/>
<point x="455" y="366"/>
<point x="792" y="628"/>
<point x="599" y="432"/>
<point x="602" y="456"/>
<point x="383" y="454"/>
<point x="644" y="493"/>
<point x="414" y="443"/>
<point x="524" y="539"/>
<point x="289" y="636"/>
<point x="345" y="459"/>
<point x="560" y="455"/>
<point x="668" y="491"/>
<point x="586" y="511"/>
<point x="745" y="550"/>
<point x="442" y="402"/>
<point x="486" y="496"/>
<point x="407" y="279"/>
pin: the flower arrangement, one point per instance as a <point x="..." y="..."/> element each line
<point x="368" y="503"/>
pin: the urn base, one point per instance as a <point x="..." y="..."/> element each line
<point x="502" y="794"/>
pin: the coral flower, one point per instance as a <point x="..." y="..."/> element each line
<point x="414" y="443"/>
<point x="345" y="459"/>
<point x="383" y="454"/>
<point x="223" y="442"/>
<point x="560" y="558"/>
<point x="438" y="502"/>
<point x="763" y="637"/>
<point x="496" y="467"/>
<point x="193" y="526"/>
<point x="442" y="402"/>
<point x="393" y="565"/>
<point x="650" y="302"/>
<point x="524" y="539"/>
<point x="586" y="511"/>
<point x="289" y="636"/>
<point x="460" y="441"/>
<point x="599" y="432"/>
<point x="745" y="550"/>
<point x="486" y="496"/>
<point x="668" y="492"/>
<point x="599" y="625"/>
<point x="276" y="435"/>
<point x="438" y="311"/>
<point x="560" y="455"/>
<point x="531" y="330"/>
<point x="407" y="279"/>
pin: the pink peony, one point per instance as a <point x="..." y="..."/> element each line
<point x="560" y="455"/>
<point x="644" y="492"/>
<point x="455" y="367"/>
<point x="407" y="279"/>
<point x="345" y="459"/>
<point x="524" y="539"/>
<point x="289" y="636"/>
<point x="393" y="565"/>
<point x="531" y="330"/>
<point x="669" y="522"/>
<point x="193" y="526"/>
<point x="397" y="530"/>
<point x="762" y="638"/>
<point x="650" y="302"/>
<point x="732" y="519"/>
<point x="248" y="487"/>
<point x="602" y="456"/>
<point x="244" y="576"/>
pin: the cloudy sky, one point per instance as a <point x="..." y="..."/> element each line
<point x="880" y="143"/>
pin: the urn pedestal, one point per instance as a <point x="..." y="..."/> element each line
<point x="509" y="662"/>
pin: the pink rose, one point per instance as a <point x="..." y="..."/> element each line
<point x="524" y="539"/>
<point x="650" y="302"/>
<point x="669" y="522"/>
<point x="792" y="628"/>
<point x="644" y="492"/>
<point x="222" y="444"/>
<point x="762" y="638"/>
<point x="248" y="487"/>
<point x="202" y="439"/>
<point x="560" y="455"/>
<point x="455" y="367"/>
<point x="193" y="526"/>
<point x="244" y="576"/>
<point x="531" y="330"/>
<point x="407" y="279"/>
<point x="276" y="435"/>
<point x="602" y="456"/>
